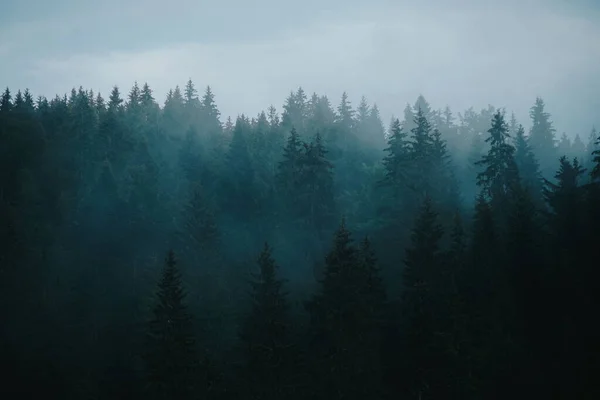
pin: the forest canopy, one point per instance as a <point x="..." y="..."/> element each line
<point x="164" y="251"/>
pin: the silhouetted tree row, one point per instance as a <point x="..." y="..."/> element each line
<point x="474" y="274"/>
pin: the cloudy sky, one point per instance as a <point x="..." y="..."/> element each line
<point x="457" y="52"/>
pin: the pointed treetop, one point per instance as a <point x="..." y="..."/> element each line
<point x="6" y="101"/>
<point x="191" y="94"/>
<point x="115" y="100"/>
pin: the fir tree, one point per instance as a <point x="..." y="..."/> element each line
<point x="423" y="105"/>
<point x="397" y="160"/>
<point x="501" y="175"/>
<point x="240" y="190"/>
<point x="345" y="116"/>
<point x="564" y="146"/>
<point x="345" y="323"/>
<point x="171" y="359"/>
<point x="595" y="172"/>
<point x="527" y="166"/>
<point x="542" y="137"/>
<point x="190" y="98"/>
<point x="421" y="156"/>
<point x="423" y="267"/>
<point x="289" y="169"/>
<point x="408" y="124"/>
<point x="6" y="101"/>
<point x="265" y="335"/>
<point x="316" y="182"/>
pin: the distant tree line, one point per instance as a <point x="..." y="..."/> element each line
<point x="153" y="251"/>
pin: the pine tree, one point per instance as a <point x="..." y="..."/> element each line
<point x="345" y="323"/>
<point x="134" y="100"/>
<point x="190" y="155"/>
<point x="397" y="160"/>
<point x="295" y="112"/>
<point x="595" y="172"/>
<point x="171" y="359"/>
<point x="443" y="180"/>
<point x="542" y="138"/>
<point x="240" y="193"/>
<point x="478" y="297"/>
<point x="422" y="271"/>
<point x="501" y="176"/>
<point x="265" y="336"/>
<point x="454" y="317"/>
<point x="571" y="272"/>
<point x="201" y="232"/>
<point x="6" y="101"/>
<point x="421" y="156"/>
<point x="527" y="166"/>
<point x="408" y="124"/>
<point x="577" y="148"/>
<point x="289" y="170"/>
<point x="524" y="298"/>
<point x="377" y="130"/>
<point x="345" y="117"/>
<point x="423" y="105"/>
<point x="563" y="196"/>
<point x="191" y="100"/>
<point x="564" y="146"/>
<point x="316" y="182"/>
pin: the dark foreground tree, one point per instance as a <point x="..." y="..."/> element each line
<point x="423" y="376"/>
<point x="171" y="361"/>
<point x="346" y="325"/>
<point x="265" y="335"/>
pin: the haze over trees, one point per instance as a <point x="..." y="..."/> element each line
<point x="164" y="251"/>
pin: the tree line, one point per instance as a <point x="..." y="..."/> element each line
<point x="154" y="251"/>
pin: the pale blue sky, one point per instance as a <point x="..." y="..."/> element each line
<point x="455" y="52"/>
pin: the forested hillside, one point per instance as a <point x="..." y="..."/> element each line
<point x="311" y="252"/>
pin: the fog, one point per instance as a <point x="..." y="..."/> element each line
<point x="459" y="53"/>
<point x="324" y="200"/>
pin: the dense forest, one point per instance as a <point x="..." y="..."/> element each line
<point x="165" y="252"/>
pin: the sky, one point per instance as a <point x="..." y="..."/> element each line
<point x="460" y="53"/>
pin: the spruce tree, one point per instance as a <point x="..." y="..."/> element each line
<point x="316" y="182"/>
<point x="564" y="146"/>
<point x="265" y="335"/>
<point x="571" y="272"/>
<point x="397" y="160"/>
<point x="528" y="166"/>
<point x="171" y="361"/>
<point x="454" y="317"/>
<point x="239" y="193"/>
<point x="423" y="349"/>
<point x="524" y="298"/>
<point x="6" y="101"/>
<point x="542" y="138"/>
<point x="289" y="172"/>
<point x="408" y="123"/>
<point x="500" y="176"/>
<point x="595" y="172"/>
<point x="345" y="323"/>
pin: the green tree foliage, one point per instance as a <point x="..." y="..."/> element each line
<point x="527" y="165"/>
<point x="93" y="189"/>
<point x="500" y="176"/>
<point x="596" y="153"/>
<point x="345" y="323"/>
<point x="240" y="194"/>
<point x="288" y="178"/>
<point x="397" y="161"/>
<point x="423" y="266"/>
<point x="268" y="353"/>
<point x="316" y="179"/>
<point x="171" y="358"/>
<point x="542" y="137"/>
